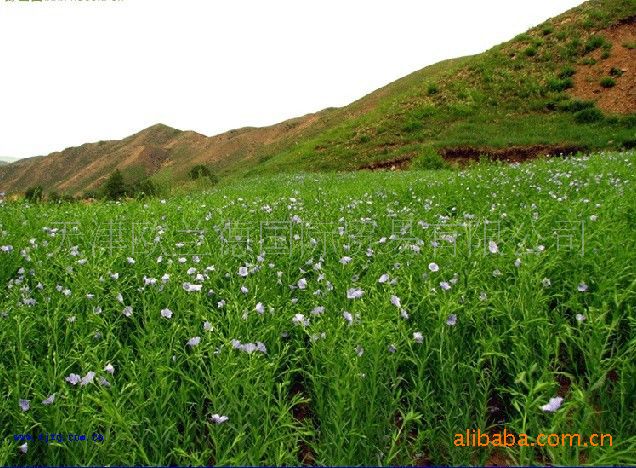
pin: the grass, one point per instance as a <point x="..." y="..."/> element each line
<point x="361" y="393"/>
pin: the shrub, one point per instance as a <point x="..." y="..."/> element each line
<point x="429" y="159"/>
<point x="629" y="121"/>
<point x="616" y="72"/>
<point x="567" y="72"/>
<point x="530" y="51"/>
<point x="145" y="188"/>
<point x="608" y="82"/>
<point x="593" y="43"/>
<point x="412" y="126"/>
<point x="629" y="143"/>
<point x="115" y="187"/>
<point x="34" y="194"/>
<point x="365" y="139"/>
<point x="199" y="171"/>
<point x="432" y="89"/>
<point x="547" y="30"/>
<point x="588" y="115"/>
<point x="53" y="197"/>
<point x="557" y="85"/>
<point x="575" y="105"/>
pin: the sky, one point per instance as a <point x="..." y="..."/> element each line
<point x="76" y="71"/>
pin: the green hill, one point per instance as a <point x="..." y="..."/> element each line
<point x="537" y="89"/>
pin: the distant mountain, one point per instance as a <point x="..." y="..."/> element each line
<point x="567" y="83"/>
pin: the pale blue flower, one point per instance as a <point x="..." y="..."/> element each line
<point x="553" y="405"/>
<point x="354" y="293"/>
<point x="73" y="379"/>
<point x="49" y="401"/>
<point x="88" y="378"/>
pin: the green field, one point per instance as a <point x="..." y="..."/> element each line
<point x="483" y="293"/>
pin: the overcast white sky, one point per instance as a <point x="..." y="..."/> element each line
<point x="78" y="71"/>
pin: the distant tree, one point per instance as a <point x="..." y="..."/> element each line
<point x="115" y="187"/>
<point x="145" y="188"/>
<point x="199" y="171"/>
<point x="34" y="194"/>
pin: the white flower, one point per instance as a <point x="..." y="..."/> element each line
<point x="451" y="320"/>
<point x="404" y="314"/>
<point x="434" y="267"/>
<point x="243" y="271"/>
<point x="418" y="337"/>
<point x="518" y="262"/>
<point x="23" y="448"/>
<point x="444" y="285"/>
<point x="302" y="283"/>
<point x="383" y="279"/>
<point x="192" y="342"/>
<point x="553" y="405"/>
<point x="110" y="369"/>
<point x="260" y="308"/>
<point x="348" y="317"/>
<point x="207" y="326"/>
<point x="217" y="419"/>
<point x="166" y="313"/>
<point x="128" y="311"/>
<point x="580" y="317"/>
<point x="396" y="301"/>
<point x="546" y="282"/>
<point x="582" y="287"/>
<point x="299" y="319"/>
<point x="492" y="246"/>
<point x="25" y="405"/>
<point x="344" y="260"/>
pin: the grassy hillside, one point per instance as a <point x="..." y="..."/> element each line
<point x="523" y="92"/>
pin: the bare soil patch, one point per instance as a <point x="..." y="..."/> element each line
<point x="620" y="99"/>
